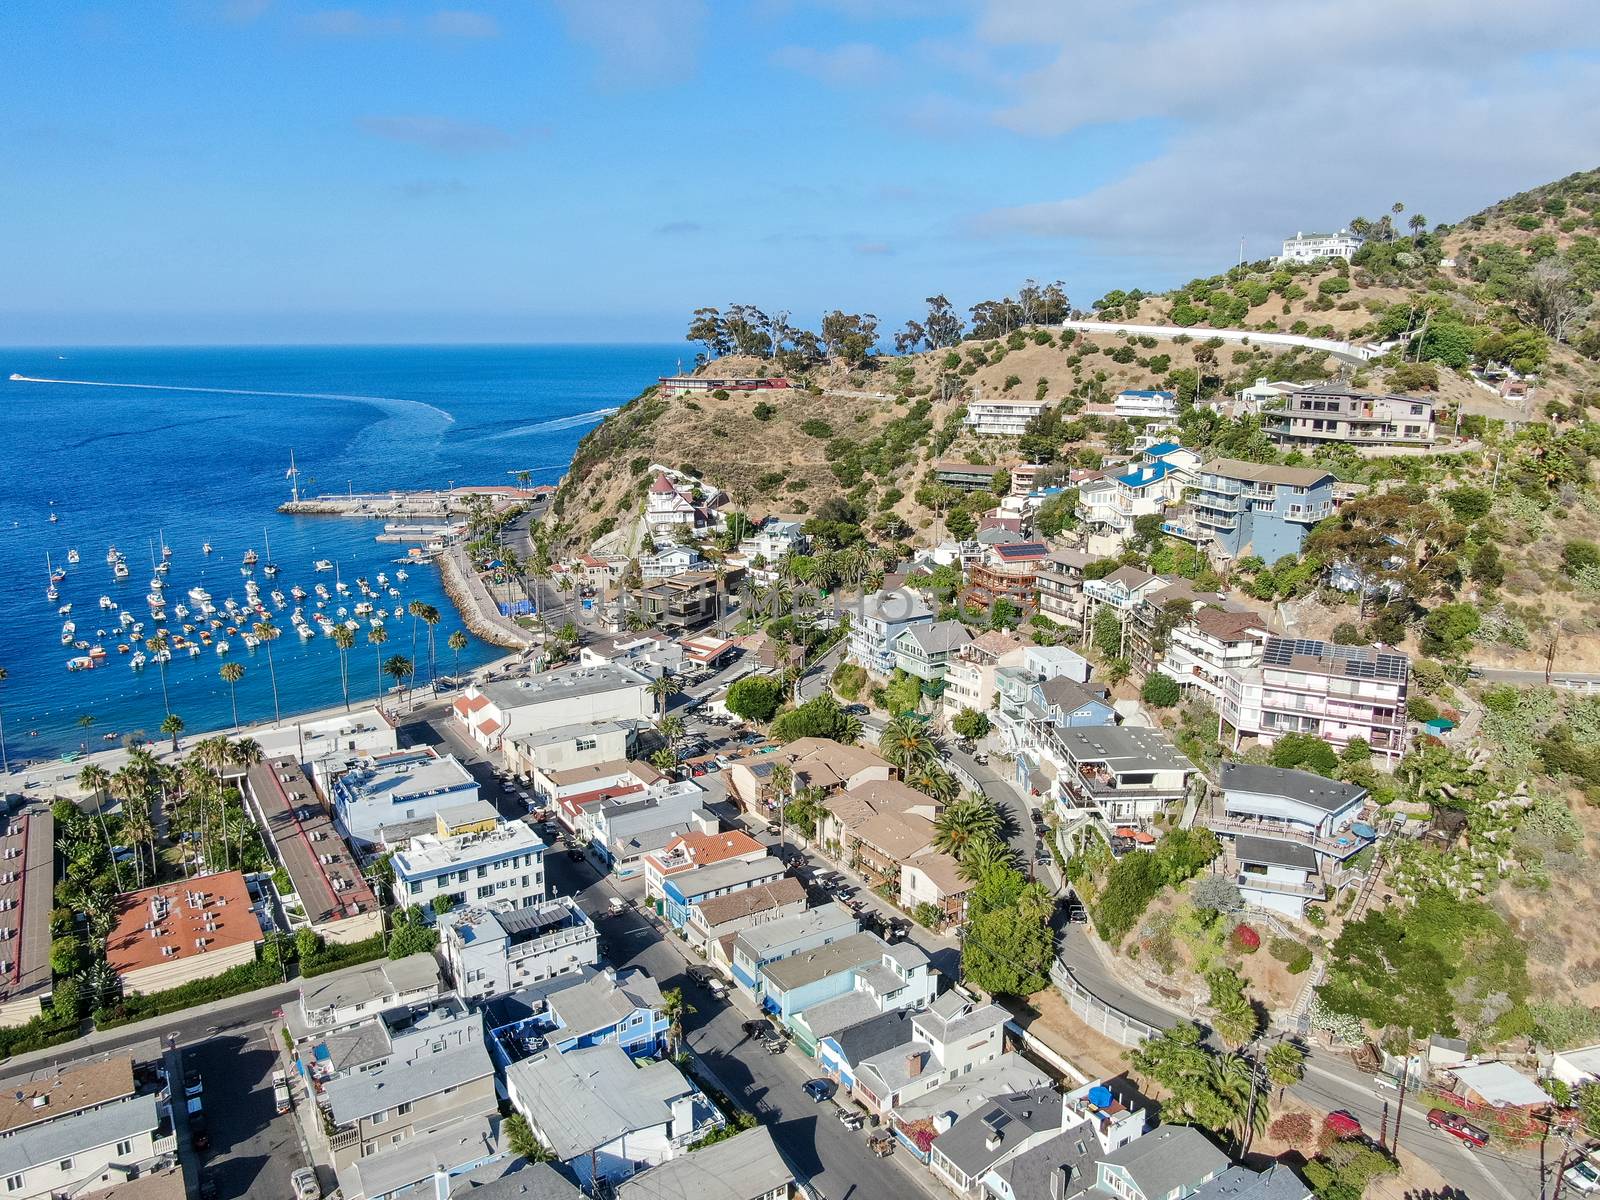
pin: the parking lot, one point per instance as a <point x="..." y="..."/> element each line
<point x="254" y="1149"/>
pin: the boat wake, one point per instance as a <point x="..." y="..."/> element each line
<point x="381" y="401"/>
<point x="568" y="422"/>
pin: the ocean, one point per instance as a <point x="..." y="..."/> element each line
<point x="193" y="445"/>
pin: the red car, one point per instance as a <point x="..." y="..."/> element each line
<point x="1342" y="1124"/>
<point x="1458" y="1126"/>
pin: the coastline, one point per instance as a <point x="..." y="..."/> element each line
<point x="478" y="610"/>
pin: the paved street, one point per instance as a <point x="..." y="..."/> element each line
<point x="835" y="1159"/>
<point x="254" y="1150"/>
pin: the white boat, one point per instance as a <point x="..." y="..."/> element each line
<point x="362" y="609"/>
<point x="67" y="630"/>
<point x="206" y="549"/>
<point x="50" y="593"/>
<point x="64" y="609"/>
<point x="322" y="564"/>
<point x="120" y="569"/>
<point x="298" y="592"/>
<point x="342" y="588"/>
<point x="54" y="517"/>
<point x="250" y="640"/>
<point x="223" y="647"/>
<point x="401" y="575"/>
<point x="112" y="556"/>
<point x="382" y="579"/>
<point x="306" y="632"/>
<point x="81" y="663"/>
<point x="194" y="650"/>
<point x="156" y="599"/>
<point x="163" y="567"/>
<point x="394" y="591"/>
<point x="180" y="610"/>
<point x="107" y="602"/>
<point x="278" y="598"/>
<point x="251" y="557"/>
<point x="166" y="550"/>
<point x="127" y="619"/>
<point x="72" y="556"/>
<point x="199" y="595"/>
<point x="138" y="660"/>
<point x="157" y="583"/>
<point x="321" y="591"/>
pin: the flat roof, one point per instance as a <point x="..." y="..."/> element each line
<point x="403" y="777"/>
<point x="181" y="920"/>
<point x="826" y="918"/>
<point x="27" y="888"/>
<point x="1234" y="468"/>
<point x="374" y="981"/>
<point x="430" y="854"/>
<point x="1328" y="795"/>
<point x="743" y="1167"/>
<point x="567" y="683"/>
<point x="415" y="1159"/>
<point x="702" y="881"/>
<point x="303" y="835"/>
<point x="1326" y="658"/>
<point x="1123" y="748"/>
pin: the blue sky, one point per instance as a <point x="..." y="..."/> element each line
<point x="186" y="171"/>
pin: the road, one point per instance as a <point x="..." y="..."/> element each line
<point x="254" y="1150"/>
<point x="1578" y="681"/>
<point x="834" y="1159"/>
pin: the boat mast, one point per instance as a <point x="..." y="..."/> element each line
<point x="294" y="478"/>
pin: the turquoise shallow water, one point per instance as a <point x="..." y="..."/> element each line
<point x="198" y="452"/>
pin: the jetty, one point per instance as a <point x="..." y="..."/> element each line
<point x="434" y="506"/>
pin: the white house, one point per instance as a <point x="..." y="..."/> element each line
<point x="878" y="622"/>
<point x="494" y="711"/>
<point x="387" y="791"/>
<point x="494" y="948"/>
<point x="1003" y="418"/>
<point x="1308" y="247"/>
<point x="472" y="863"/>
<point x="1146" y="404"/>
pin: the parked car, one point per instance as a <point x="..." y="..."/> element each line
<point x="818" y="1089"/>
<point x="755" y="1029"/>
<point x="1583" y="1175"/>
<point x="208" y="1188"/>
<point x="306" y="1187"/>
<point x="1459" y="1127"/>
<point x="280" y="1091"/>
<point x="702" y="974"/>
<point x="718" y="989"/>
<point x="193" y="1085"/>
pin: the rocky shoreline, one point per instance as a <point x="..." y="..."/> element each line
<point x="477" y="608"/>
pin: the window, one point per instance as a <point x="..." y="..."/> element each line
<point x="14" y="1183"/>
<point x="402" y="1109"/>
<point x="378" y="1118"/>
<point x="64" y="1165"/>
<point x="584" y="743"/>
<point x="416" y="888"/>
<point x="486" y="891"/>
<point x="483" y="872"/>
<point x="124" y="1149"/>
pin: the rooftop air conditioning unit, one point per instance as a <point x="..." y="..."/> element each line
<point x="168" y="951"/>
<point x="200" y="943"/>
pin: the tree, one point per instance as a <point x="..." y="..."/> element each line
<point x="431" y="618"/>
<point x="755" y="697"/>
<point x="1234" y="1018"/>
<point x="1199" y="1089"/>
<point x="1448" y="629"/>
<point x="232" y="673"/>
<point x="160" y="650"/>
<point x="1286" y="1064"/>
<point x="934" y="781"/>
<point x="377" y="636"/>
<point x="971" y="724"/>
<point x="1304" y="751"/>
<point x="943" y="326"/>
<point x="172" y="726"/>
<point x="1553" y="298"/>
<point x="819" y="717"/>
<point x="850" y="336"/>
<point x="675" y="1008"/>
<point x="1006" y="949"/>
<point x="1216" y="893"/>
<point x="663" y="687"/>
<point x="267" y="633"/>
<point x="457" y="642"/>
<point x="905" y="743"/>
<point x="1160" y="691"/>
<point x="665" y="760"/>
<point x="964" y="823"/>
<point x="520" y="1138"/>
<point x="344" y="639"/>
<point x="399" y="668"/>
<point x="1107" y="634"/>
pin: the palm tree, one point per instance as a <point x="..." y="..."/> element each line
<point x="246" y="752"/>
<point x="933" y="780"/>
<point x="662" y="687"/>
<point x="848" y="731"/>
<point x="457" y="642"/>
<point x="431" y="618"/>
<point x="85" y="723"/>
<point x="1286" y="1062"/>
<point x="984" y="856"/>
<point x="399" y="668"/>
<point x="378" y="635"/>
<point x="95" y="778"/>
<point x="415" y="610"/>
<point x="672" y="729"/>
<point x="906" y="744"/>
<point x="172" y="727"/>
<point x="344" y="638"/>
<point x="964" y="823"/>
<point x="231" y="673"/>
<point x="675" y="1008"/>
<point x="157" y="646"/>
<point x="665" y="760"/>
<point x="267" y="633"/>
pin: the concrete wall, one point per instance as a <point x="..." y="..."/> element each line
<point x="187" y="967"/>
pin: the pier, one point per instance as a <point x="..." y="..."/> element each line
<point x="427" y="508"/>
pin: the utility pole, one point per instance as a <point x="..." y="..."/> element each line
<point x="1400" y="1110"/>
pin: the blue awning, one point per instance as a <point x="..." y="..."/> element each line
<point x="320" y="1053"/>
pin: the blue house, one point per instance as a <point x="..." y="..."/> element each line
<point x="796" y="983"/>
<point x="1245" y="508"/>
<point x="840" y="1051"/>
<point x="574" y="1012"/>
<point x="760" y="945"/>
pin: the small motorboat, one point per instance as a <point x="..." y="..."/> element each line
<point x="223" y="647"/>
<point x="206" y="548"/>
<point x="72" y="556"/>
<point x="250" y="557"/>
<point x="64" y="609"/>
<point x="120" y="569"/>
<point x="138" y="661"/>
<point x="107" y="602"/>
<point x="67" y="630"/>
<point x="113" y="555"/>
<point x="322" y="564"/>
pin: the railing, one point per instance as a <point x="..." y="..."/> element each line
<point x="1261" y="883"/>
<point x="343" y="1138"/>
<point x="1094" y="1012"/>
<point x="1221" y="822"/>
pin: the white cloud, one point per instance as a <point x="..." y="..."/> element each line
<point x="637" y="41"/>
<point x="854" y="64"/>
<point x="1267" y="118"/>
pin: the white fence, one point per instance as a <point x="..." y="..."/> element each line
<point x="1199" y="333"/>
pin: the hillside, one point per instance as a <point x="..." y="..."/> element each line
<point x="1504" y="288"/>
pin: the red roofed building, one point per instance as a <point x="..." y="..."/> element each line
<point x="174" y="933"/>
<point x="692" y="850"/>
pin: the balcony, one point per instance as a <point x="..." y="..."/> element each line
<point x="1341" y="844"/>
<point x="1311" y="889"/>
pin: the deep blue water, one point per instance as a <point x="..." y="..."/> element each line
<point x="125" y="465"/>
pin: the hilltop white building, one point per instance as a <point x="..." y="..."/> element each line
<point x="1308" y="247"/>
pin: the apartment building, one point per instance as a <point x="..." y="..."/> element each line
<point x="713" y="922"/>
<point x="27" y="888"/>
<point x="747" y="1166"/>
<point x="497" y="710"/>
<point x="1336" y="693"/>
<point x="884" y="995"/>
<point x="877" y="623"/>
<point x="435" y="1076"/>
<point x="493" y="949"/>
<point x="669" y="560"/>
<point x="1309" y="247"/>
<point x="76" y="1129"/>
<point x="1010" y="571"/>
<point x="969" y="680"/>
<point x="1236" y="509"/>
<point x="678" y="603"/>
<point x="1110" y="506"/>
<point x="1058" y="579"/>
<point x="966" y="477"/>
<point x="1003" y="418"/>
<point x="682" y="893"/>
<point x="386" y="791"/>
<point x="1333" y="412"/>
<point x="949" y="1039"/>
<point x="1105" y="1153"/>
<point x="1148" y="625"/>
<point x="1211" y="645"/>
<point x="899" y="975"/>
<point x="175" y="933"/>
<point x="329" y="894"/>
<point x="566" y="747"/>
<point x="341" y="999"/>
<point x="1118" y="775"/>
<point x="475" y="862"/>
<point x="761" y="945"/>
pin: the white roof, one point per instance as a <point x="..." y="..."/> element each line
<point x="1583" y="1059"/>
<point x="1500" y="1085"/>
